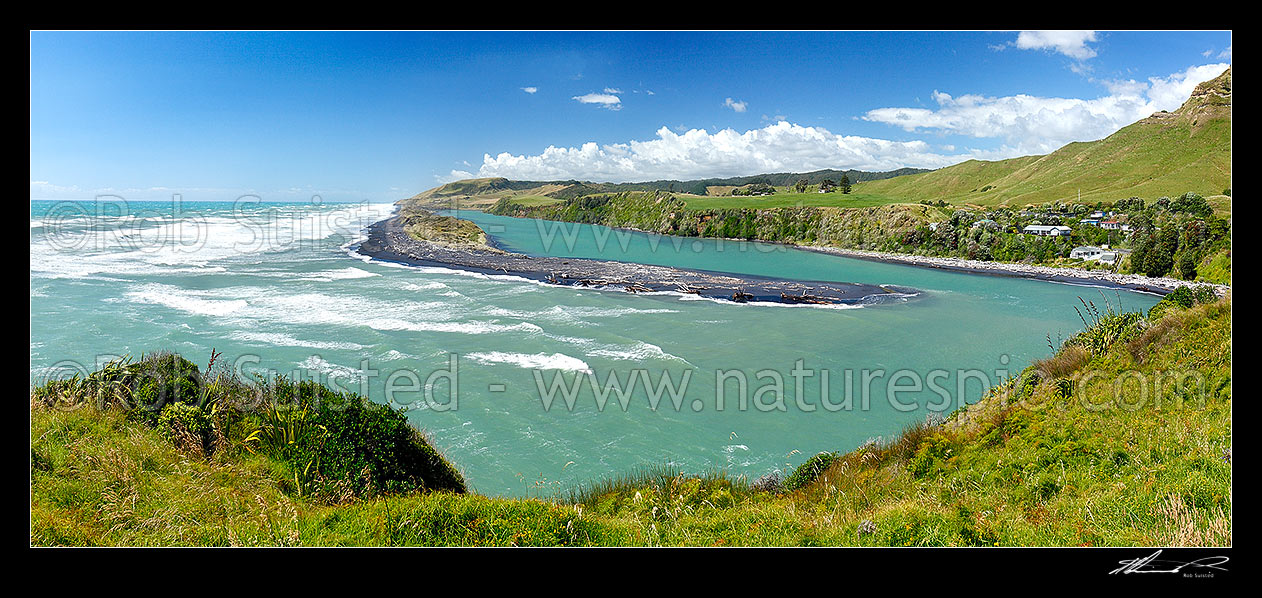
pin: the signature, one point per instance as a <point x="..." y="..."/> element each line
<point x="1151" y="564"/>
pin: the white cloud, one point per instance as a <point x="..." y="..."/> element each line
<point x="734" y="105"/>
<point x="604" y="100"/>
<point x="45" y="189"/>
<point x="1024" y="124"/>
<point x="1225" y="54"/>
<point x="1035" y="125"/>
<point x="454" y="175"/>
<point x="1070" y="43"/>
<point x="612" y="90"/>
<point x="696" y="153"/>
<point x="530" y="89"/>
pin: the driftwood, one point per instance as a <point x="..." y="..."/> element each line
<point x="811" y="299"/>
<point x="741" y="296"/>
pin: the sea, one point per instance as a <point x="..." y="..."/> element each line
<point x="533" y="389"/>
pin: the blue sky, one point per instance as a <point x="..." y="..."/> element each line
<point x="382" y="115"/>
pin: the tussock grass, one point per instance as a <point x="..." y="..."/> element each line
<point x="1064" y="363"/>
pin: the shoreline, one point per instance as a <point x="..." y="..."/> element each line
<point x="1131" y="282"/>
<point x="1100" y="278"/>
<point x="386" y="240"/>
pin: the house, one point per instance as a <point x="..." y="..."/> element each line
<point x="1090" y="222"/>
<point x="1087" y="253"/>
<point x="1104" y="255"/>
<point x="1111" y="225"/>
<point x="1109" y="257"/>
<point x="1045" y="230"/>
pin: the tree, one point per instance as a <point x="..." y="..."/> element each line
<point x="800" y="186"/>
<point x="1187" y="264"/>
<point x="1159" y="259"/>
<point x="828" y="186"/>
<point x="845" y="184"/>
<point x="761" y="189"/>
<point x="1191" y="203"/>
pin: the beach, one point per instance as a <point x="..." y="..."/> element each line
<point x="1132" y="282"/>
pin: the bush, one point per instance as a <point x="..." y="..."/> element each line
<point x="1204" y="294"/>
<point x="339" y="445"/>
<point x="161" y="379"/>
<point x="1181" y="296"/>
<point x="354" y="447"/>
<point x="186" y="426"/>
<point x="1105" y="327"/>
<point x="809" y="471"/>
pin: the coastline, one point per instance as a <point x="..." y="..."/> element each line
<point x="386" y="240"/>
<point x="1100" y="278"/>
<point x="1131" y="282"/>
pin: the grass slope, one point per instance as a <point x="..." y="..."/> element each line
<point x="1165" y="154"/>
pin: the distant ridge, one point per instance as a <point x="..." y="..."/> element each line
<point x="1168" y="153"/>
<point x="488" y="190"/>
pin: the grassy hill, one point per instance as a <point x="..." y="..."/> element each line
<point x="1167" y="154"/>
<point x="1063" y="455"/>
<point x="482" y="193"/>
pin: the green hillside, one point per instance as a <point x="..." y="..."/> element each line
<point x="1166" y="154"/>
<point x="482" y="193"/>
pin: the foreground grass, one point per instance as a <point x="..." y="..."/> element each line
<point x="1097" y="445"/>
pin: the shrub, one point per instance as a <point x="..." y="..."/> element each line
<point x="1181" y="296"/>
<point x="161" y="379"/>
<point x="349" y="446"/>
<point x="934" y="453"/>
<point x="186" y="426"/>
<point x="809" y="471"/>
<point x="1107" y="329"/>
<point x="767" y="483"/>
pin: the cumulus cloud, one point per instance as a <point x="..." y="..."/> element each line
<point x="696" y="153"/>
<point x="1032" y="124"/>
<point x="1070" y="43"/>
<point x="1023" y="124"/>
<point x="530" y="89"/>
<point x="734" y="105"/>
<point x="604" y="100"/>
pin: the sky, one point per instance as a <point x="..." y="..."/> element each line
<point x="377" y="116"/>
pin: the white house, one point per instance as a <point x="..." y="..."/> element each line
<point x="1045" y="230"/>
<point x="1087" y="252"/>
<point x="1104" y="255"/>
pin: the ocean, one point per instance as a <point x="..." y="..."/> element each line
<point x="530" y="388"/>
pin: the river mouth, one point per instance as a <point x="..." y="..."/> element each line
<point x="574" y="267"/>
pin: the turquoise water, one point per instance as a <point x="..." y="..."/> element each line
<point x="277" y="287"/>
